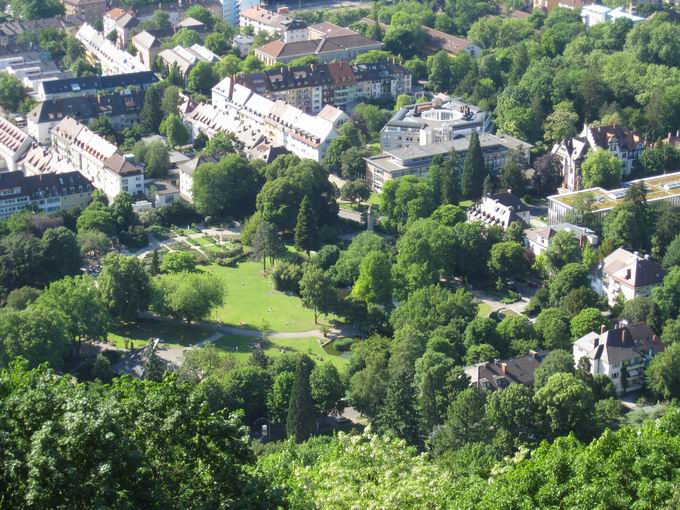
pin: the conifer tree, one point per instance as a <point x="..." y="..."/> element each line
<point x="306" y="229"/>
<point x="301" y="416"/>
<point x="474" y="171"/>
<point x="155" y="267"/>
<point x="151" y="114"/>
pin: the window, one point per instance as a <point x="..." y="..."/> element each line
<point x="615" y="375"/>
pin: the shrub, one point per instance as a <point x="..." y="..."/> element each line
<point x="343" y="344"/>
<point x="135" y="238"/>
<point x="286" y="276"/>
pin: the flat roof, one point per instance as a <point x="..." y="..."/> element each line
<point x="659" y="187"/>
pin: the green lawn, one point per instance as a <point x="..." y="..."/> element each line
<point x="204" y="241"/>
<point x="241" y="346"/>
<point x="213" y="248"/>
<point x="251" y="299"/>
<point x="484" y="310"/>
<point x="172" y="334"/>
<point x="466" y="203"/>
<point x="374" y="198"/>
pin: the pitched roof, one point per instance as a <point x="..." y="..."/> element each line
<point x="624" y="342"/>
<point x="11" y="137"/>
<point x="329" y="29"/>
<point x="86" y="108"/>
<point x="45" y="185"/>
<point x="501" y="373"/>
<point x="279" y="49"/>
<point x="631" y="269"/>
<point x="98" y="83"/>
<point x="146" y="40"/>
<point x="604" y="135"/>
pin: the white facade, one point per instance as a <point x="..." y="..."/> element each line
<point x="112" y="59"/>
<point x="594" y="14"/>
<point x="231" y="9"/>
<point x="13" y="145"/>
<point x="97" y="159"/>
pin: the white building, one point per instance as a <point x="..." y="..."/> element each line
<point x="624" y="273"/>
<point x="538" y="239"/>
<point x="13" y="145"/>
<point x="594" y="14"/>
<point x="186" y="175"/>
<point x="621" y="354"/>
<point x="97" y="159"/>
<point x="187" y="58"/>
<point x="262" y="20"/>
<point x="625" y="144"/>
<point x="500" y="209"/>
<point x="112" y="59"/>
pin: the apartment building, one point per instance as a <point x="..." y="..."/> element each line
<point x="148" y="46"/>
<point x="439" y="120"/>
<point x="121" y="109"/>
<point x="91" y="10"/>
<point x="12" y="32"/>
<point x="340" y="84"/>
<point x="122" y="22"/>
<point x="49" y="193"/>
<point x="416" y="159"/>
<point x="279" y="25"/>
<point x="112" y="59"/>
<point x="97" y="159"/>
<point x="13" y="145"/>
<point x="93" y="85"/>
<point x="42" y="160"/>
<point x="186" y="58"/>
<point x="231" y="9"/>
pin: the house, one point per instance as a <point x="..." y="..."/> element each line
<point x="549" y="5"/>
<point x="328" y="49"/>
<point x="621" y="353"/>
<point x="122" y="110"/>
<point x="660" y="189"/>
<point x="148" y="47"/>
<point x="439" y="120"/>
<point x="499" y="209"/>
<point x="13" y="145"/>
<point x="624" y="273"/>
<point x="416" y="159"/>
<point x="333" y="115"/>
<point x="279" y="25"/>
<point x="12" y="32"/>
<point x="594" y="13"/>
<point x="266" y="152"/>
<point x="97" y="159"/>
<point x="186" y="58"/>
<point x="112" y="59"/>
<point x="48" y="192"/>
<point x="162" y="192"/>
<point x="500" y="374"/>
<point x="625" y="144"/>
<point x="93" y="85"/>
<point x="243" y="43"/>
<point x="537" y="240"/>
<point x="90" y="10"/>
<point x="122" y="22"/>
<point x="186" y="175"/>
<point x="311" y="87"/>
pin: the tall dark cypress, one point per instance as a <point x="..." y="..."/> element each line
<point x="151" y="114"/>
<point x="474" y="171"/>
<point x="306" y="229"/>
<point x="301" y="416"/>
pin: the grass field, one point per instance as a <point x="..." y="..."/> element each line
<point x="465" y="203"/>
<point x="241" y="347"/>
<point x="251" y="299"/>
<point x="172" y="334"/>
<point x="203" y="241"/>
<point x="484" y="310"/>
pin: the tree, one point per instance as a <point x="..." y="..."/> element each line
<point x="629" y="224"/>
<point x="440" y="72"/>
<point x="644" y="309"/>
<point x="465" y="421"/>
<point x="278" y="397"/>
<point x="156" y="159"/>
<point x="667" y="296"/>
<point x="552" y="324"/>
<point x="355" y="191"/>
<point x="513" y="410"/>
<point x="662" y="375"/>
<point x="601" y="168"/>
<point x="512" y="175"/>
<point x="226" y="188"/>
<point x="346" y="269"/>
<point x="178" y="262"/>
<point x="666" y="228"/>
<point x="407" y="199"/>
<point x="200" y="13"/>
<point x="184" y="37"/>
<point x="220" y="145"/>
<point x="507" y="259"/>
<point x="96" y="217"/>
<point x="170" y="100"/>
<point x="266" y="244"/>
<point x="301" y="415"/>
<point x="327" y="389"/>
<point x="78" y="303"/>
<point x="571" y="276"/>
<point x="587" y="320"/>
<point x="474" y="170"/>
<point x="124" y="285"/>
<point x="563" y="249"/>
<point x="437" y="381"/>
<point x="188" y="296"/>
<point x="122" y="212"/>
<point x="568" y="405"/>
<point x="444" y="179"/>
<point x="151" y="114"/>
<point x="160" y="20"/>
<point x="202" y="78"/>
<point x="306" y="227"/>
<point x="518" y="332"/>
<point x="19" y="299"/>
<point x="93" y="243"/>
<point x="352" y="164"/>
<point x="60" y="251"/>
<point x="547" y="176"/>
<point x="316" y="291"/>
<point x="556" y="362"/>
<point x="561" y="124"/>
<point x="12" y="92"/>
<point x="33" y="334"/>
<point x="403" y="100"/>
<point x="175" y="131"/>
<point x="375" y="284"/>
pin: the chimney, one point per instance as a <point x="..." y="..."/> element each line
<point x="655" y="339"/>
<point x="623" y="335"/>
<point x="504" y="368"/>
<point x="602" y="329"/>
<point x="628" y="274"/>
